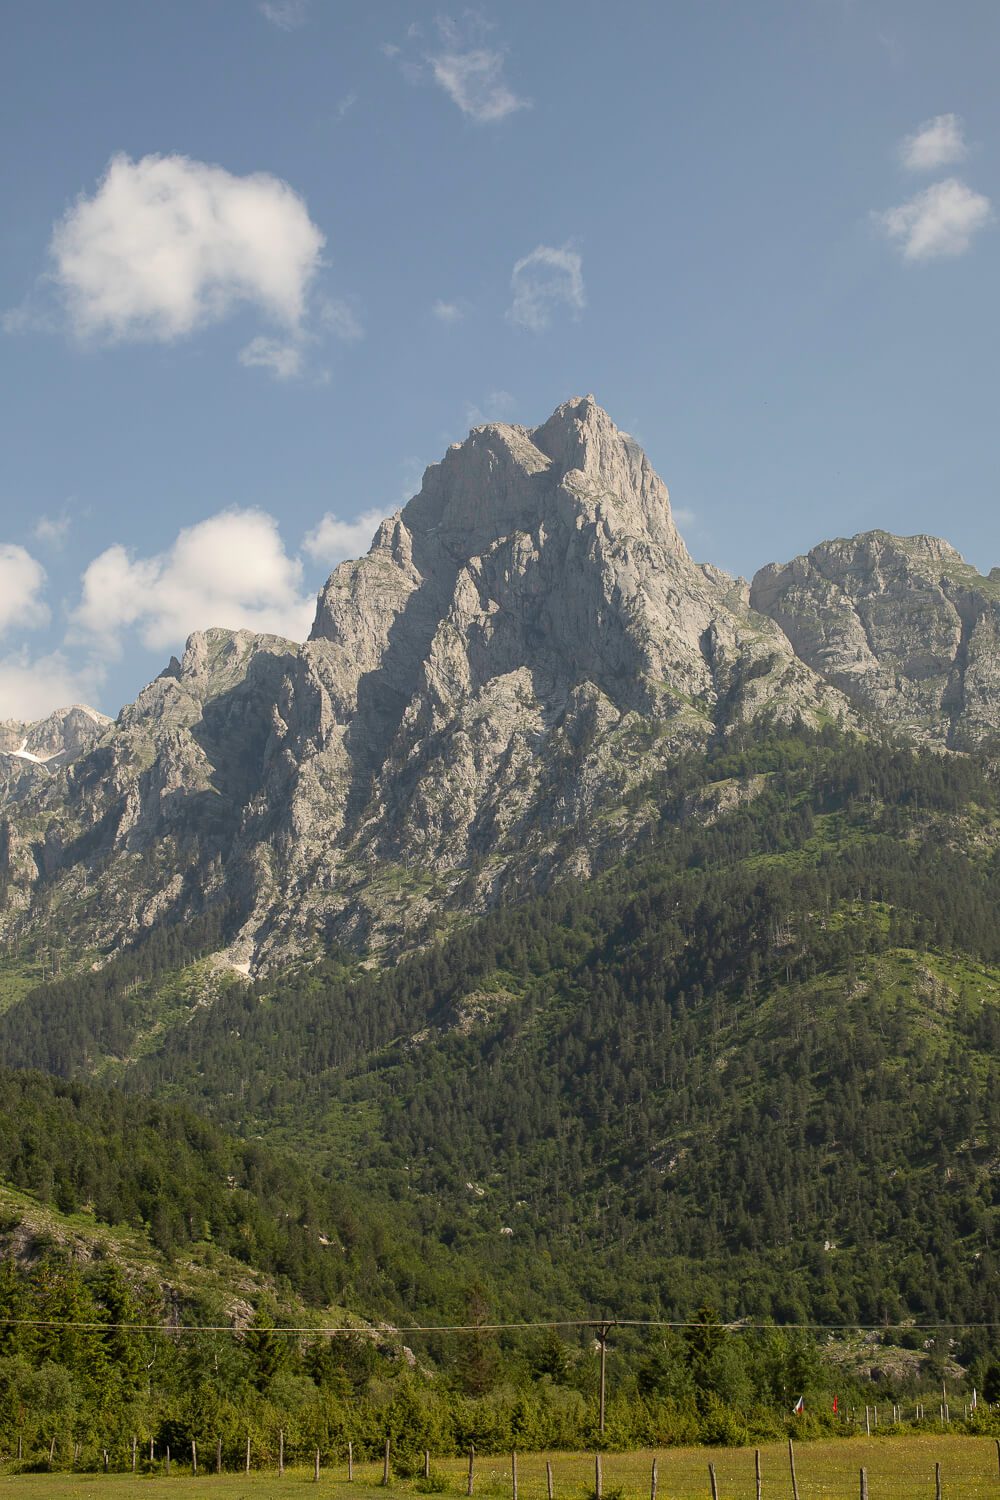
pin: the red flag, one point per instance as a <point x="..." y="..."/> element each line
<point x="835" y="1403"/>
<point x="800" y="1404"/>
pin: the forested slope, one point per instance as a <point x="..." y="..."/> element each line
<point x="755" y="1062"/>
<point x="753" y="1067"/>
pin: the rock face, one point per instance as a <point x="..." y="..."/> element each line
<point x="30" y="753"/>
<point x="525" y="643"/>
<point x="906" y="629"/>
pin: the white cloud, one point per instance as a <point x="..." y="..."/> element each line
<point x="342" y="319"/>
<point x="940" y="221"/>
<point x="332" y="539"/>
<point x="542" y="282"/>
<point x="346" y="105"/>
<point x="938" y="143"/>
<point x="167" y="245"/>
<point x="447" y="312"/>
<point x="22" y="579"/>
<point x="282" y="359"/>
<point x="286" y="14"/>
<point x="231" y="570"/>
<point x="474" y="81"/>
<point x="683" y="515"/>
<point x="32" y="687"/>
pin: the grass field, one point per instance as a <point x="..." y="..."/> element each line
<point x="897" y="1468"/>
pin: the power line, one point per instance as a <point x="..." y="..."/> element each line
<point x="738" y="1326"/>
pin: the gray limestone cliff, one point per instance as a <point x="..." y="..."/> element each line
<point x="907" y="630"/>
<point x="481" y="702"/>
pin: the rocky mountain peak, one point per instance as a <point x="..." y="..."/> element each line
<point x="907" y="629"/>
<point x="55" y="740"/>
<point x="525" y="645"/>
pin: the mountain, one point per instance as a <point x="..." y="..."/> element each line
<point x="30" y="752"/>
<point x="482" y="700"/>
<point x="525" y="641"/>
<point x="594" y="931"/>
<point x="906" y="629"/>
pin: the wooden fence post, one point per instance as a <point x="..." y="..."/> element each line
<point x="385" y="1464"/>
<point x="998" y="1456"/>
<point x="472" y="1469"/>
<point x="194" y="1457"/>
<point x="281" y="1450"/>
<point x="52" y="1451"/>
<point x="316" y="1468"/>
<point x="350" y="1460"/>
<point x="106" y="1460"/>
<point x="652" y="1482"/>
<point x="168" y="1458"/>
<point x="152" y="1451"/>
<point x="712" y="1481"/>
<point x="937" y="1482"/>
<point x="135" y="1452"/>
<point x="427" y="1463"/>
<point x="868" y="1422"/>
<point x="791" y="1465"/>
<point x="598" y="1477"/>
<point x="218" y="1455"/>
<point x="548" y="1477"/>
<point x="756" y="1470"/>
<point x="864" y="1484"/>
<point x="513" y="1473"/>
<point x="248" y="1453"/>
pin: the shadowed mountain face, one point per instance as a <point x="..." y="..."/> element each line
<point x="525" y="644"/>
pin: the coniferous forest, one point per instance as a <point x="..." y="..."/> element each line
<point x="747" y="1075"/>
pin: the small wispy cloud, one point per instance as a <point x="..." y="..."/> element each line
<point x="346" y="104"/>
<point x="282" y="360"/>
<point x="465" y="62"/>
<point x="52" y="531"/>
<point x="448" y="312"/>
<point x="938" y="222"/>
<point x="287" y="15"/>
<point x="938" y="143"/>
<point x="547" y="280"/>
<point x="342" y="319"/>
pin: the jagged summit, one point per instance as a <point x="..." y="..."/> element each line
<point x="907" y="629"/>
<point x="482" y="699"/>
<point x="56" y="739"/>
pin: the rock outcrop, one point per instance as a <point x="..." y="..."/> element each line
<point x="906" y="629"/>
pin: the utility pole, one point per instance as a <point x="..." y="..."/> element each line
<point x="602" y="1338"/>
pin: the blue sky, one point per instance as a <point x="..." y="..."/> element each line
<point x="262" y="262"/>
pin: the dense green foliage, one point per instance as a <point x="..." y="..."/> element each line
<point x="752" y="1065"/>
<point x="70" y="1024"/>
<point x="686" y="1078"/>
<point x="84" y="1366"/>
<point x="163" y="1168"/>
